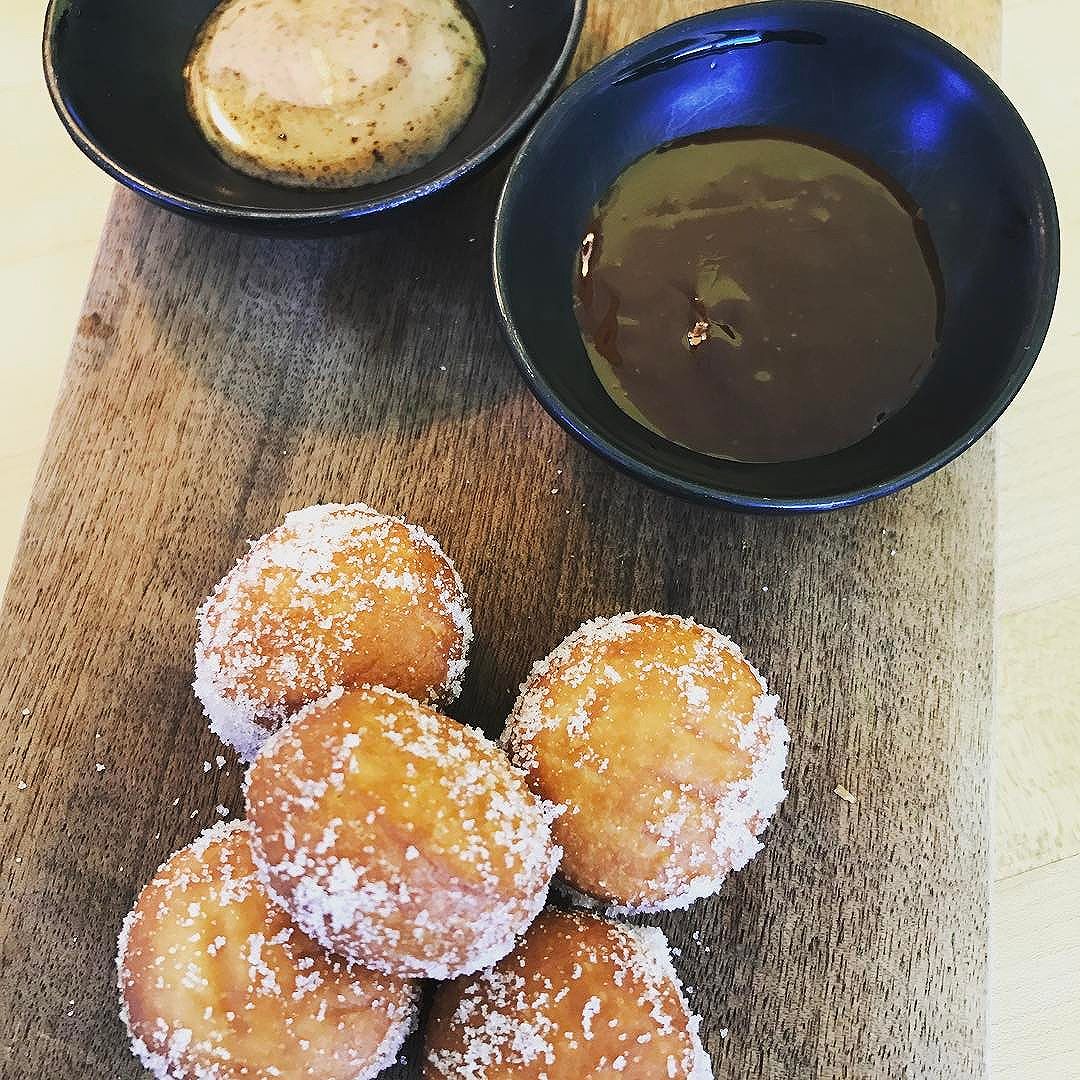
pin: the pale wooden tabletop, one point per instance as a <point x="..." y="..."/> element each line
<point x="52" y="228"/>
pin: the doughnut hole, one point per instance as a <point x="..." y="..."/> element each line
<point x="335" y="596"/>
<point x="663" y="744"/>
<point x="216" y="983"/>
<point x="398" y="837"/>
<point x="579" y="997"/>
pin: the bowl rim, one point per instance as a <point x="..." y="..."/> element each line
<point x="731" y="498"/>
<point x="221" y="212"/>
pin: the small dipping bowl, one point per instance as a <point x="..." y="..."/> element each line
<point x="894" y="94"/>
<point x="114" y="69"/>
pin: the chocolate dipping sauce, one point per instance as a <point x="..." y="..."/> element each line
<point x="754" y="296"/>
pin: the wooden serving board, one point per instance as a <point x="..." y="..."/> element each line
<point x="218" y="381"/>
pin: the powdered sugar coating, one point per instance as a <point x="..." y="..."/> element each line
<point x="398" y="837"/>
<point x="216" y="984"/>
<point x="337" y="594"/>
<point x="579" y="996"/>
<point x="665" y="747"/>
<point x="656" y="956"/>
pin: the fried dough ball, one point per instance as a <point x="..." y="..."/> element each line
<point x="216" y="983"/>
<point x="663" y="745"/>
<point x="579" y="998"/>
<point x="335" y="596"/>
<point x="398" y="837"/>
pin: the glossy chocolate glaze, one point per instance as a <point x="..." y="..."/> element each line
<point x="752" y="295"/>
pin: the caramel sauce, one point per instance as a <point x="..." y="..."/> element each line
<point x="754" y="296"/>
<point x="333" y="93"/>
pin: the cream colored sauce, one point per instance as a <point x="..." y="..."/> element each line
<point x="333" y="93"/>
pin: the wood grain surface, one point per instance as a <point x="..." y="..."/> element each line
<point x="218" y="381"/>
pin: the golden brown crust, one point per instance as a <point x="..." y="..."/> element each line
<point x="664" y="746"/>
<point x="397" y="836"/>
<point x="217" y="984"/>
<point x="335" y="596"/>
<point x="580" y="997"/>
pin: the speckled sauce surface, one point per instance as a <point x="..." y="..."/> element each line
<point x="333" y="93"/>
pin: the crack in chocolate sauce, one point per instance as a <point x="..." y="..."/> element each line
<point x="756" y="295"/>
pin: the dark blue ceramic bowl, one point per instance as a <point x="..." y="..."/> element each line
<point x="884" y="88"/>
<point x="114" y="70"/>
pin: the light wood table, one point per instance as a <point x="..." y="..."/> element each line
<point x="52" y="225"/>
<point x="1035" y="1023"/>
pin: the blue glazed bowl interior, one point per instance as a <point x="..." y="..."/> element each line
<point x="886" y="90"/>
